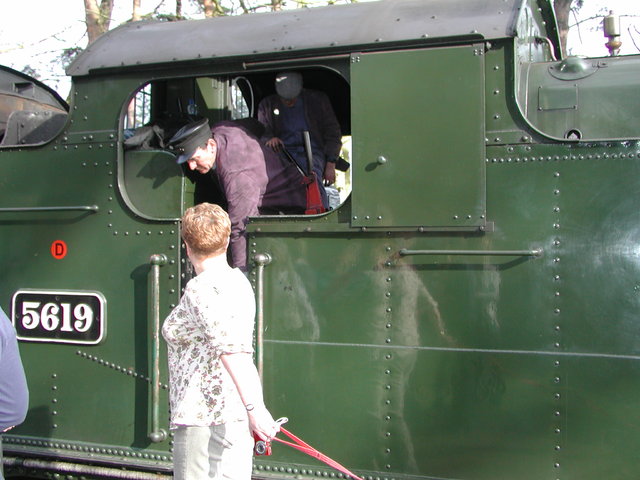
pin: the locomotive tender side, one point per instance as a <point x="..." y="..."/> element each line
<point x="468" y="312"/>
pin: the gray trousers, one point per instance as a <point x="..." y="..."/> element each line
<point x="217" y="452"/>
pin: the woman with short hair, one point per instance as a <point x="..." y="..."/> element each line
<point x="215" y="392"/>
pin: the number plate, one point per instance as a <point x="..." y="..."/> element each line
<point x="59" y="316"/>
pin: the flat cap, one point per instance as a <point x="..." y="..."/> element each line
<point x="189" y="138"/>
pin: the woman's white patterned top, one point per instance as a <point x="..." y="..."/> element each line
<point x="215" y="316"/>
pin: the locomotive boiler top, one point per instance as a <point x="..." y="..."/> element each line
<point x="363" y="26"/>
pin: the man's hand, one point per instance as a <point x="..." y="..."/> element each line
<point x="329" y="173"/>
<point x="275" y="144"/>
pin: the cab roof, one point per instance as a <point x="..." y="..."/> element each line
<point x="333" y="29"/>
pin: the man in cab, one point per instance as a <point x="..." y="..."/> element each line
<point x="254" y="179"/>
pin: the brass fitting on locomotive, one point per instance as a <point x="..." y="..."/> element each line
<point x="611" y="28"/>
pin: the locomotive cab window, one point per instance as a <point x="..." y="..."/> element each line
<point x="159" y="109"/>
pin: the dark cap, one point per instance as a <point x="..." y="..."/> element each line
<point x="189" y="138"/>
<point x="288" y="84"/>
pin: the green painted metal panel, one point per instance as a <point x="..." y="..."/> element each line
<point x="599" y="438"/>
<point x="599" y="228"/>
<point x="86" y="401"/>
<point x="558" y="97"/>
<point x="415" y="113"/>
<point x="585" y="200"/>
<point x="409" y="358"/>
<point x="469" y="367"/>
<point x="153" y="183"/>
<point x="593" y="97"/>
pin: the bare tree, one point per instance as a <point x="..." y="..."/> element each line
<point x="215" y="8"/>
<point x="97" y="17"/>
<point x="563" y="11"/>
<point x="135" y="15"/>
<point x="212" y="8"/>
<point x="633" y="40"/>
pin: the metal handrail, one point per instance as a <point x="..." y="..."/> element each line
<point x="72" y="208"/>
<point x="157" y="434"/>
<point x="261" y="259"/>
<point x="503" y="253"/>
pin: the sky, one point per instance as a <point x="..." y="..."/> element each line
<point x="46" y="27"/>
<point x="586" y="37"/>
<point x="33" y="32"/>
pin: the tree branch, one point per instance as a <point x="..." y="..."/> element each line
<point x="633" y="40"/>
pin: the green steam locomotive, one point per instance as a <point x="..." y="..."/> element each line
<point x="470" y="309"/>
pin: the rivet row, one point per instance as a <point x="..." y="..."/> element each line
<point x="89" y="449"/>
<point x="126" y="370"/>
<point x="548" y="158"/>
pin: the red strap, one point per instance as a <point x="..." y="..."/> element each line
<point x="309" y="450"/>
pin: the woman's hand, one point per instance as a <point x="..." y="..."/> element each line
<point x="262" y="423"/>
<point x="244" y="374"/>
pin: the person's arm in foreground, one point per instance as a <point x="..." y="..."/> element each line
<point x="14" y="393"/>
<point x="245" y="376"/>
